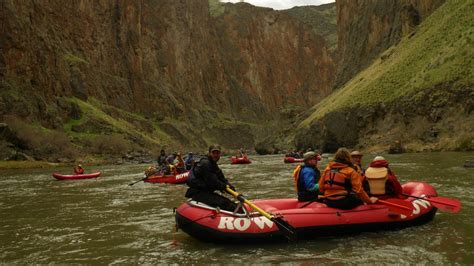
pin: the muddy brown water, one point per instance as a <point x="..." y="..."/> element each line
<point x="106" y="221"/>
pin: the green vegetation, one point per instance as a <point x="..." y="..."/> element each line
<point x="216" y="8"/>
<point x="120" y="121"/>
<point x="71" y="58"/>
<point x="439" y="52"/>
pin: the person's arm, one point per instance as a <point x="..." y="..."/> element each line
<point x="309" y="180"/>
<point x="321" y="182"/>
<point x="356" y="181"/>
<point x="395" y="185"/>
<point x="210" y="178"/>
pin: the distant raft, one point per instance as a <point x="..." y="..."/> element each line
<point x="311" y="220"/>
<point x="239" y="160"/>
<point x="292" y="160"/>
<point x="70" y="177"/>
<point x="170" y="179"/>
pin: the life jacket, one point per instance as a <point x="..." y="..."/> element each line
<point x="335" y="180"/>
<point x="377" y="178"/>
<point x="303" y="193"/>
<point x="296" y="176"/>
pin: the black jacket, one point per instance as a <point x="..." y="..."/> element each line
<point x="206" y="175"/>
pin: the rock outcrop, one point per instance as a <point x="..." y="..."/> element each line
<point x="366" y="28"/>
<point x="170" y="60"/>
<point x="419" y="92"/>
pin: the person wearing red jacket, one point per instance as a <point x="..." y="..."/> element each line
<point x="78" y="170"/>
<point x="379" y="180"/>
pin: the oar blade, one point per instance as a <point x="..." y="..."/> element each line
<point x="398" y="206"/>
<point x="285" y="228"/>
<point x="446" y="204"/>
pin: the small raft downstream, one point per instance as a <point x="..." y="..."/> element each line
<point x="81" y="176"/>
<point x="311" y="221"/>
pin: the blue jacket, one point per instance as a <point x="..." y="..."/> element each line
<point x="308" y="183"/>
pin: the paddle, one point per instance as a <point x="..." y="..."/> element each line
<point x="285" y="228"/>
<point x="133" y="183"/>
<point x="442" y="203"/>
<point x="399" y="206"/>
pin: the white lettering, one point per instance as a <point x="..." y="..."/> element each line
<point x="262" y="221"/>
<point x="241" y="227"/>
<point x="226" y="223"/>
<point x="424" y="203"/>
<point x="181" y="175"/>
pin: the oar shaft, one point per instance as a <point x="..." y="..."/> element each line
<point x="238" y="196"/>
<point x="395" y="205"/>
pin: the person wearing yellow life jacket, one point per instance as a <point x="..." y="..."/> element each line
<point x="307" y="176"/>
<point x="379" y="180"/>
<point x="341" y="185"/>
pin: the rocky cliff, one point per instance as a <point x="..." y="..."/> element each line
<point x="169" y="72"/>
<point x="365" y="28"/>
<point x="417" y="95"/>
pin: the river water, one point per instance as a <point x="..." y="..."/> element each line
<point x="106" y="221"/>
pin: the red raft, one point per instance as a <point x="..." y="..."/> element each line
<point x="239" y="160"/>
<point x="170" y="179"/>
<point x="292" y="160"/>
<point x="312" y="221"/>
<point x="82" y="176"/>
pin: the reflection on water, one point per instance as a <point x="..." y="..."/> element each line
<point x="105" y="220"/>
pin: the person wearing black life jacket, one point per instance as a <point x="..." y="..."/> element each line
<point x="356" y="157"/>
<point x="307" y="176"/>
<point x="205" y="178"/>
<point x="341" y="185"/>
<point x="380" y="181"/>
<point x="161" y="158"/>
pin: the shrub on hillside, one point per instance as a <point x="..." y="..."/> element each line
<point x="43" y="143"/>
<point x="109" y="144"/>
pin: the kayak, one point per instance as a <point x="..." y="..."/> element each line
<point x="292" y="160"/>
<point x="170" y="179"/>
<point x="83" y="176"/>
<point x="310" y="221"/>
<point x="239" y="160"/>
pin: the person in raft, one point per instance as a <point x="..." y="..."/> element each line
<point x="356" y="157"/>
<point x="205" y="178"/>
<point x="341" y="185"/>
<point x="189" y="161"/>
<point x="307" y="176"/>
<point x="379" y="180"/>
<point x="78" y="170"/>
<point x="161" y="160"/>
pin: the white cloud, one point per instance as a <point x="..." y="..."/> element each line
<point x="282" y="4"/>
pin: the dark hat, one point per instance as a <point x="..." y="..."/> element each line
<point x="214" y="147"/>
<point x="309" y="155"/>
<point x="356" y="153"/>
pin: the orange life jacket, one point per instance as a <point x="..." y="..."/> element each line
<point x="335" y="180"/>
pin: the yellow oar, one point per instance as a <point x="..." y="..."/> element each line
<point x="285" y="228"/>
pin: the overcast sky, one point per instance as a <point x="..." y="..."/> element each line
<point x="283" y="4"/>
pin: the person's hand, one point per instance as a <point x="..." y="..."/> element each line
<point x="231" y="187"/>
<point x="373" y="200"/>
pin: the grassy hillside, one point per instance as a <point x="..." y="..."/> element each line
<point x="440" y="51"/>
<point x="433" y="65"/>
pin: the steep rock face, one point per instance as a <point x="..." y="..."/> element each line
<point x="169" y="59"/>
<point x="418" y="94"/>
<point x="157" y="72"/>
<point x="368" y="27"/>
<point x="322" y="19"/>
